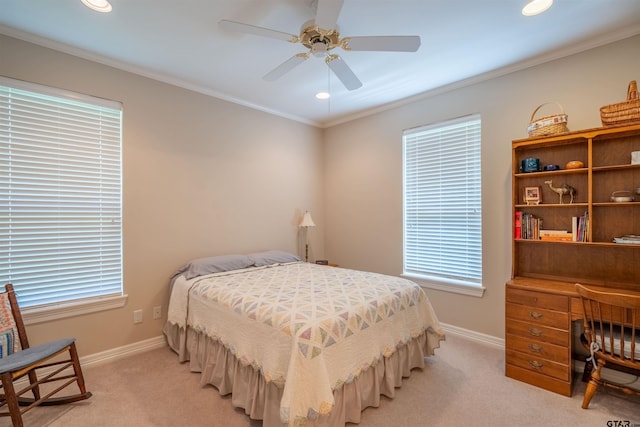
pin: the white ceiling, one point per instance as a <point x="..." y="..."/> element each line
<point x="180" y="42"/>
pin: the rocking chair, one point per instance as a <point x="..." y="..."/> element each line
<point x="611" y="334"/>
<point x="18" y="360"/>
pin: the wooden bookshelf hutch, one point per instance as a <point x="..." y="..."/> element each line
<point x="541" y="301"/>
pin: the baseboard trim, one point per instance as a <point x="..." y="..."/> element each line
<point x="124" y="351"/>
<point x="478" y="337"/>
<point x="107" y="356"/>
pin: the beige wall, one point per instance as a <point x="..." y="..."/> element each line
<point x="200" y="177"/>
<point x="204" y="177"/>
<point x="363" y="167"/>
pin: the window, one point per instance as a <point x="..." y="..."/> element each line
<point x="442" y="205"/>
<point x="60" y="195"/>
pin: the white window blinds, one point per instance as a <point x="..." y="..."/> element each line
<point x="442" y="202"/>
<point x="60" y="194"/>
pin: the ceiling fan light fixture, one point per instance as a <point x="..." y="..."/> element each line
<point x="98" y="5"/>
<point x="323" y="95"/>
<point x="318" y="49"/>
<point x="536" y="7"/>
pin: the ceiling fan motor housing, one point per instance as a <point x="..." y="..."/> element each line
<point x="311" y="35"/>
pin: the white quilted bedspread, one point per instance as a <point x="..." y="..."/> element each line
<point x="306" y="327"/>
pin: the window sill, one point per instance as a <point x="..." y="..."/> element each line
<point x="32" y="316"/>
<point x="453" y="287"/>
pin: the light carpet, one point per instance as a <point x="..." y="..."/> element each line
<point x="462" y="385"/>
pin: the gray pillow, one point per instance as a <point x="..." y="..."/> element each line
<point x="215" y="264"/>
<point x="272" y="257"/>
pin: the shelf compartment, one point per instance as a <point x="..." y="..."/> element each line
<point x="578" y="181"/>
<point x="609" y="180"/>
<point x="555" y="217"/>
<point x="620" y="219"/>
<point x="556" y="154"/>
<point x="600" y="263"/>
<point x="614" y="151"/>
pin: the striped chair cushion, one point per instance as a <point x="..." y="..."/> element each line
<point x="617" y="348"/>
<point x="9" y="340"/>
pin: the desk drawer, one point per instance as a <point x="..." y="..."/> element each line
<point x="539" y="380"/>
<point x="539" y="349"/>
<point x="535" y="332"/>
<point x="538" y="316"/>
<point x="539" y="365"/>
<point x="538" y="299"/>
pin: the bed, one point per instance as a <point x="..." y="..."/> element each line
<point x="296" y="343"/>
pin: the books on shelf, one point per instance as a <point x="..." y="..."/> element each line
<point x="556" y="235"/>
<point x="528" y="226"/>
<point x="580" y="227"/>
<point x="628" y="238"/>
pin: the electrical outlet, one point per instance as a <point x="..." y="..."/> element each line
<point x="137" y="316"/>
<point x="157" y="312"/>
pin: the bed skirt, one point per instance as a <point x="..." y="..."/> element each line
<point x="261" y="399"/>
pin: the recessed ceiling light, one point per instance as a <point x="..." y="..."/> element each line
<point x="323" y="95"/>
<point x="98" y="5"/>
<point x="535" y="7"/>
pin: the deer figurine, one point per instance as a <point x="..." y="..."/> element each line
<point x="562" y="190"/>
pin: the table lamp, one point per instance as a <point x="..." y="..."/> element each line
<point x="306" y="222"/>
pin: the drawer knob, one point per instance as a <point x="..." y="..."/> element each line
<point x="535" y="315"/>
<point x="535" y="332"/>
<point x="535" y="348"/>
<point x="535" y="364"/>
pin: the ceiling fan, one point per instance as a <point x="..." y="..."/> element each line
<point x="321" y="36"/>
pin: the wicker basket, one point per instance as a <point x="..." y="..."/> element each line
<point x="548" y="125"/>
<point x="625" y="112"/>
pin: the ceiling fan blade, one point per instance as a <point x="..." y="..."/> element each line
<point x="285" y="67"/>
<point x="343" y="72"/>
<point x="258" y="31"/>
<point x="382" y="43"/>
<point x="327" y="13"/>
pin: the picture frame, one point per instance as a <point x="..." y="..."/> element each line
<point x="532" y="195"/>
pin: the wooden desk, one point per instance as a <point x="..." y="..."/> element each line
<point x="538" y="336"/>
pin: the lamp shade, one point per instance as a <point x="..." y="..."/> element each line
<point x="307" y="221"/>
